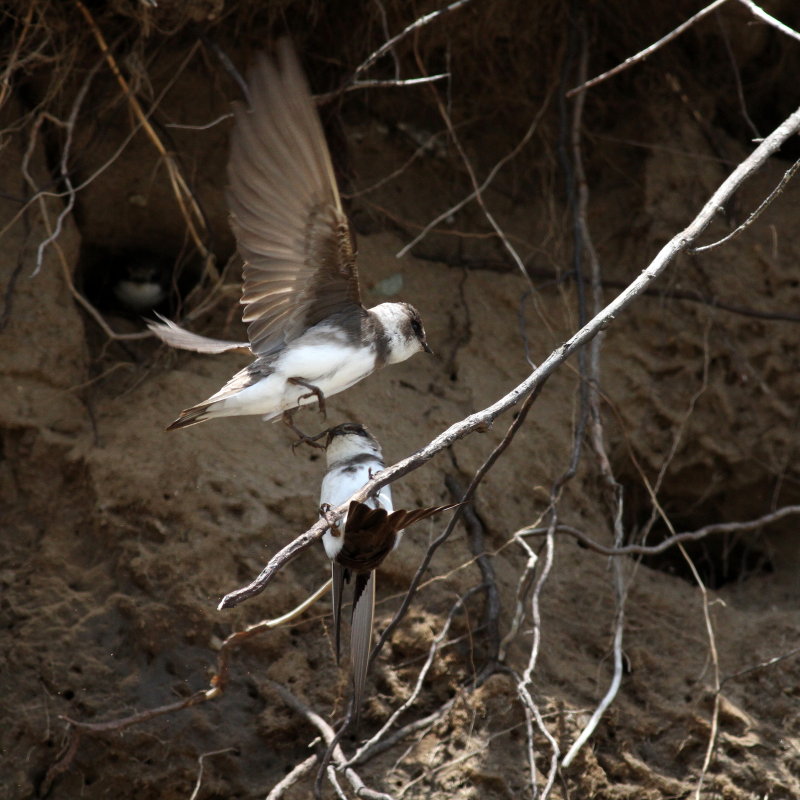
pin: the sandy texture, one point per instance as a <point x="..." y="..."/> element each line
<point x="121" y="538"/>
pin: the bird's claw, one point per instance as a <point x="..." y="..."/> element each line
<point x="314" y="391"/>
<point x="328" y="515"/>
<point x="302" y="438"/>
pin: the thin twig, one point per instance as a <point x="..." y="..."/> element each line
<point x="648" y="51"/>
<point x="759" y="12"/>
<point x="193" y="215"/>
<point x="69" y="126"/>
<point x="712" y="645"/>
<point x="787" y="176"/>
<point x="300" y="771"/>
<point x="523" y="587"/>
<point x="19" y="40"/>
<point x="478" y="190"/>
<point x="401" y="733"/>
<point x="532" y="712"/>
<point x="388" y="83"/>
<point x="737" y="78"/>
<point x="761" y="665"/>
<point x="362" y="751"/>
<point x="355" y="781"/>
<point x="200" y="764"/>
<point x="415" y="25"/>
<point x="612" y="488"/>
<point x="670" y="541"/>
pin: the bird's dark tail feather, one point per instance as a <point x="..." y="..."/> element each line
<point x="190" y="416"/>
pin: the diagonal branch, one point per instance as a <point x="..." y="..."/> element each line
<point x="481" y="419"/>
<point x="650" y="49"/>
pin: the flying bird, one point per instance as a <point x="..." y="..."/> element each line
<point x="307" y="326"/>
<point x="362" y="539"/>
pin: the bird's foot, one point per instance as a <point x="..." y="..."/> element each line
<point x="315" y="391"/>
<point x="327" y="514"/>
<point x="288" y="419"/>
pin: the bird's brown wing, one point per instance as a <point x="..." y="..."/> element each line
<point x="402" y="518"/>
<point x="286" y="212"/>
<point x="370" y="533"/>
<point x="367" y="538"/>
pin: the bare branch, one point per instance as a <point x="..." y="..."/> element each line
<point x="300" y="771"/>
<point x="329" y="736"/>
<point x="613" y="490"/>
<point x="671" y="541"/>
<point x="481" y="419"/>
<point x="387" y="83"/>
<point x="415" y="25"/>
<point x="200" y="765"/>
<point x="759" y="12"/>
<point x="648" y="51"/>
<point x="762" y="665"/>
<point x="787" y="176"/>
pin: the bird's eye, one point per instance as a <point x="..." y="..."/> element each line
<point x="416" y="327"/>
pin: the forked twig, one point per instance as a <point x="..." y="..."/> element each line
<point x="649" y="50"/>
<point x="328" y="734"/>
<point x="787" y="176"/>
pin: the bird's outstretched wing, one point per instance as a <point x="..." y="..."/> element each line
<point x="286" y="212"/>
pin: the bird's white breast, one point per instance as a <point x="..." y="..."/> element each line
<point x="332" y="368"/>
<point x="139" y="296"/>
<point x="323" y="357"/>
<point x="339" y="485"/>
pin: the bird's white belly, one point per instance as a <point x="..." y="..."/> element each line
<point x="331" y="367"/>
<point x="338" y="486"/>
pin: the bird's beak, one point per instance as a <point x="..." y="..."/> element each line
<point x="426" y="347"/>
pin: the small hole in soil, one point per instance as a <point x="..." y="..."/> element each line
<point x="134" y="282"/>
<point x="719" y="558"/>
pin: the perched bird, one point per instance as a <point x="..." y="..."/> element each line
<point x="141" y="287"/>
<point x="362" y="539"/>
<point x="308" y="329"/>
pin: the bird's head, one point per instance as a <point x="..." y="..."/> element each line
<point x="350" y="439"/>
<point x="403" y="325"/>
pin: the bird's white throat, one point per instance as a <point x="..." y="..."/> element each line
<point x="343" y="448"/>
<point x="396" y="321"/>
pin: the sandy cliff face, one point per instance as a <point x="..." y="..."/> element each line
<point x="121" y="538"/>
